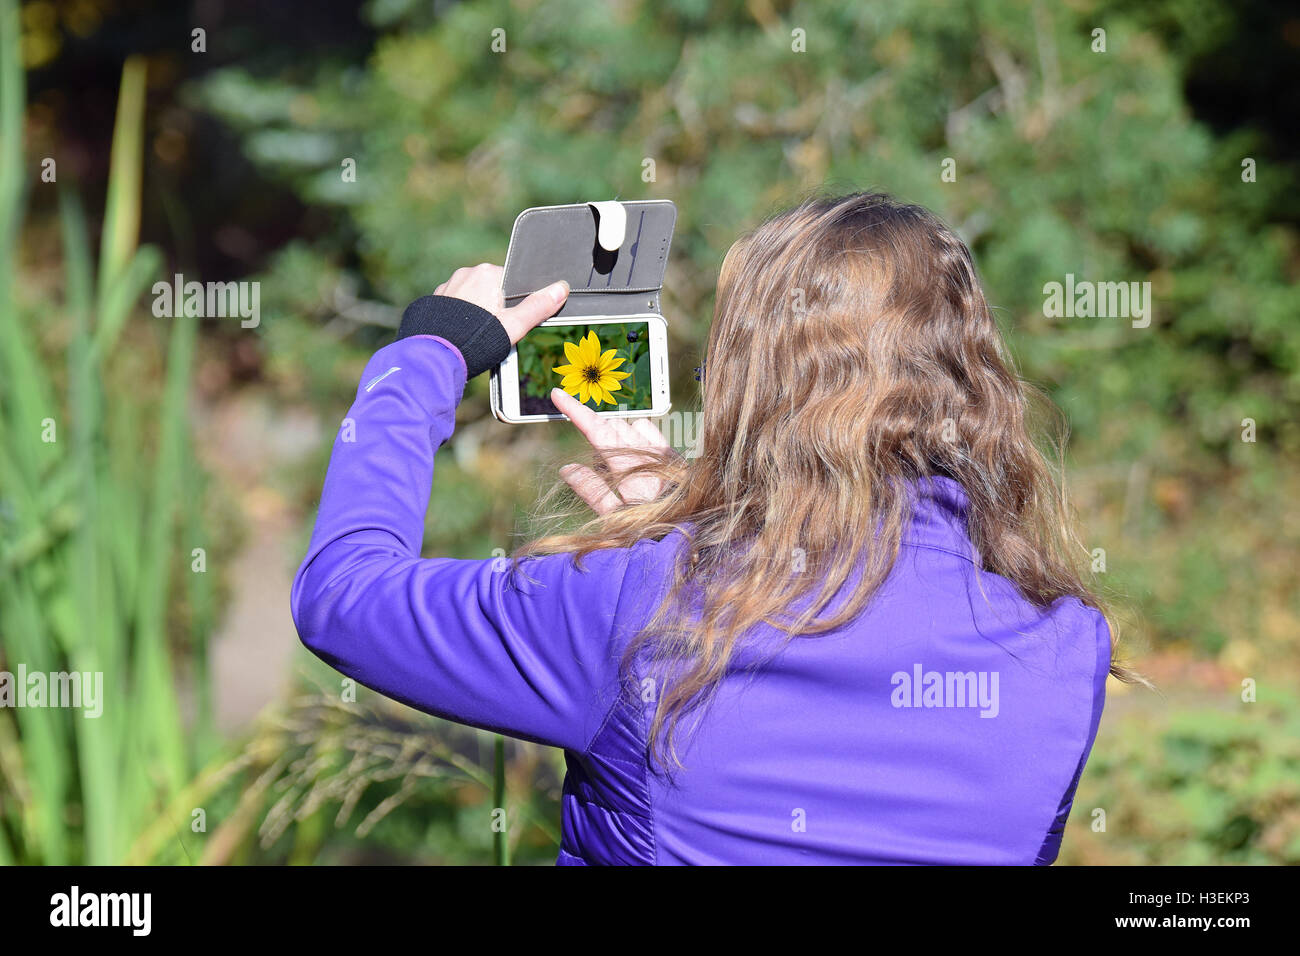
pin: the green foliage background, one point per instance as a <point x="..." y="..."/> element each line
<point x="1067" y="161"/>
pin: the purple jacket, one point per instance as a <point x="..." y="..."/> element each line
<point x="947" y="725"/>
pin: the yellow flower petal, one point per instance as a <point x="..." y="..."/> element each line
<point x="571" y="352"/>
<point x="564" y="370"/>
<point x="617" y="376"/>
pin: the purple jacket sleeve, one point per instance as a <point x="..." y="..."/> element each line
<point x="529" y="655"/>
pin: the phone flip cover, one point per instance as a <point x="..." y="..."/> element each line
<point x="549" y="243"/>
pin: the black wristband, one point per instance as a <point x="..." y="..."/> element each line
<point x="479" y="335"/>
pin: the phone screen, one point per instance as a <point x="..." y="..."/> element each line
<point x="604" y="365"/>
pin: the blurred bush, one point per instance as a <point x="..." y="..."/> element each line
<point x="324" y="781"/>
<point x="1200" y="786"/>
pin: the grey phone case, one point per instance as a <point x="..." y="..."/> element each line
<point x="549" y="243"/>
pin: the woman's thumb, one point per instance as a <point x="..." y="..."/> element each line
<point x="534" y="310"/>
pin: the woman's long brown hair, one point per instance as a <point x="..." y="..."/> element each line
<point x="852" y="351"/>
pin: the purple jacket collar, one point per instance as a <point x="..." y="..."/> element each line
<point x="939" y="515"/>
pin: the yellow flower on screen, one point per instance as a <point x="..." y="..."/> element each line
<point x="590" y="373"/>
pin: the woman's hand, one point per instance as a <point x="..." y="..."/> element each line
<point x="617" y="440"/>
<point x="481" y="285"/>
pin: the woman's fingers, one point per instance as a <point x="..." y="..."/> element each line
<point x="607" y="434"/>
<point x="521" y="319"/>
<point x="621" y="434"/>
<point x="623" y="455"/>
<point x="482" y="286"/>
<point x="618" y="441"/>
<point x="651" y="436"/>
<point x="593" y="428"/>
<point x="590" y="488"/>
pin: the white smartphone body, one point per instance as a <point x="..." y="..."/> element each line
<point x="639" y="388"/>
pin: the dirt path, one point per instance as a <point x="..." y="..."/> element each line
<point x="245" y="439"/>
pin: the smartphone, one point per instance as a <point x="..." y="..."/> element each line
<point x="632" y="382"/>
<point x="613" y="255"/>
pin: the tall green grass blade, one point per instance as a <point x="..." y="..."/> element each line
<point x="14" y="774"/>
<point x="80" y="280"/>
<point x="95" y="651"/>
<point x="13" y="93"/>
<point x="158" y="712"/>
<point x="43" y="729"/>
<point x="121" y="297"/>
<point x="121" y="230"/>
<point x="199" y="591"/>
<point x="157" y="763"/>
<point x="501" y="837"/>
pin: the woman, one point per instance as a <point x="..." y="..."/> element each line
<point x="850" y="631"/>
